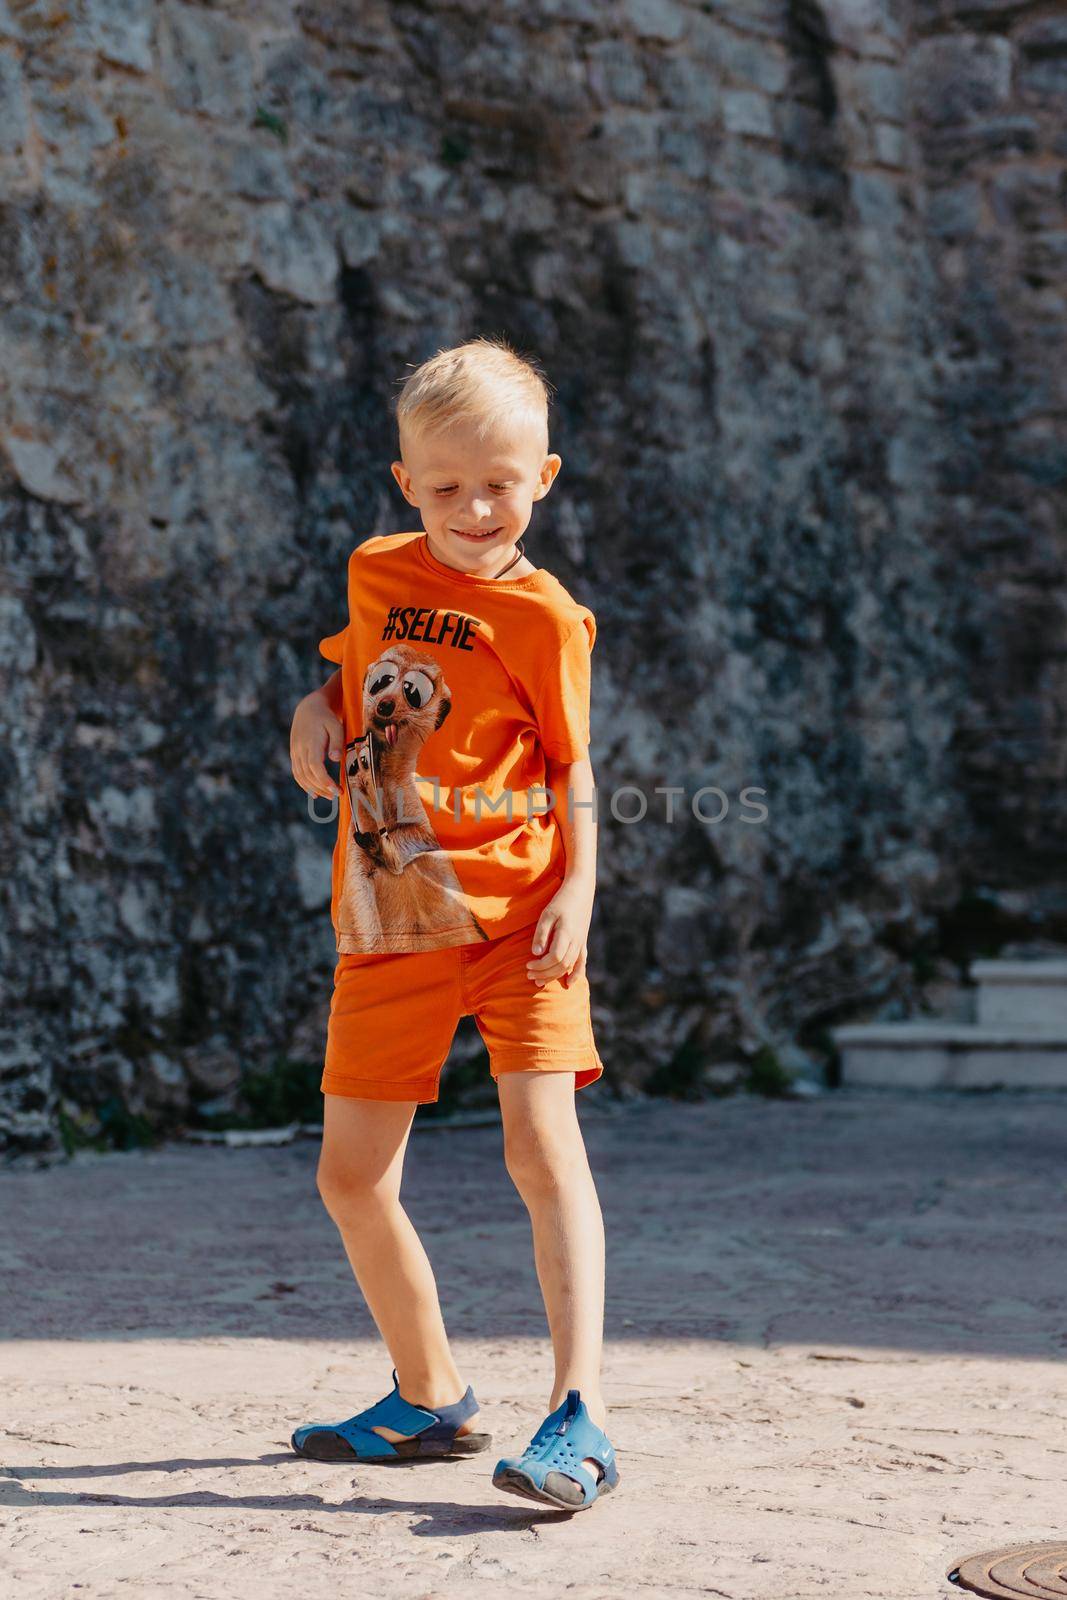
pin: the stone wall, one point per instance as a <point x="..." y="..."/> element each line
<point x="798" y="272"/>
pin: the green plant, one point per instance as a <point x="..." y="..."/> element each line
<point x="272" y="122"/>
<point x="766" y="1075"/>
<point x="269" y="1097"/>
<point x="80" y="1132"/>
<point x="454" y="149"/>
<point x="923" y="964"/>
<point x="680" y="1077"/>
<point x="287" y="1091"/>
<point x="123" y="1129"/>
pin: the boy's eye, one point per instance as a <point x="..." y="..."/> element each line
<point x="498" y="487"/>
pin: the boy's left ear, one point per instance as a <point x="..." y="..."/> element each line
<point x="549" y="472"/>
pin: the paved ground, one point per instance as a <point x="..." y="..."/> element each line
<point x="835" y="1361"/>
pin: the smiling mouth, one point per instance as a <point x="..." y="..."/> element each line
<point x="475" y="533"/>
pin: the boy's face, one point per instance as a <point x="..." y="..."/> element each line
<point x="476" y="496"/>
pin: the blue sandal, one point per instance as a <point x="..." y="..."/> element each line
<point x="434" y="1432"/>
<point x="550" y="1469"/>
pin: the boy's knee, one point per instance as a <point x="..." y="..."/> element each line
<point x="534" y="1161"/>
<point x="346" y="1189"/>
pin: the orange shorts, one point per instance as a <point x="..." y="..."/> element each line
<point x="393" y="1018"/>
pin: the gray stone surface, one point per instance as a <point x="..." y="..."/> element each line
<point x="833" y="1362"/>
<point x="1025" y="995"/>
<point x="797" y="273"/>
<point x="930" y="1054"/>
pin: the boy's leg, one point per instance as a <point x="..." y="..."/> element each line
<point x="360" y="1168"/>
<point x="545" y="1156"/>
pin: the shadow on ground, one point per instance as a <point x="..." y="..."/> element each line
<point x="917" y="1222"/>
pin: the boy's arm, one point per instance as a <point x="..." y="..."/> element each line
<point x="560" y="938"/>
<point x="317" y="731"/>
<point x="318" y="721"/>
<point x="561" y="707"/>
<point x="572" y="784"/>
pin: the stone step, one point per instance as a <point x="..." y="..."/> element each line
<point x="932" y="1054"/>
<point x="1024" y="996"/>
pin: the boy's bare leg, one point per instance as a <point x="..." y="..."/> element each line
<point x="363" y="1147"/>
<point x="546" y="1158"/>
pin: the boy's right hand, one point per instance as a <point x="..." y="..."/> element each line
<point x="315" y="734"/>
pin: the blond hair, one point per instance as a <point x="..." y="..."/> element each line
<point x="484" y="382"/>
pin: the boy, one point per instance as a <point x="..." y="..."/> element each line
<point x="462" y="692"/>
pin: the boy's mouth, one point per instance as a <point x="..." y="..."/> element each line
<point x="475" y="533"/>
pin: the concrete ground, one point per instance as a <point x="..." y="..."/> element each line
<point x="834" y="1359"/>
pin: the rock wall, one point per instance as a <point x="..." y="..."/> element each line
<point x="797" y="271"/>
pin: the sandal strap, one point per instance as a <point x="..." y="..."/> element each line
<point x="450" y="1417"/>
<point x="364" y="1441"/>
<point x="393" y="1411"/>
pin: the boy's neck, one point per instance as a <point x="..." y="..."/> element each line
<point x="522" y="568"/>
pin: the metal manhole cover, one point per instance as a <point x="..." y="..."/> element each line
<point x="1038" y="1571"/>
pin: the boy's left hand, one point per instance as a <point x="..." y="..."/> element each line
<point x="559" y="942"/>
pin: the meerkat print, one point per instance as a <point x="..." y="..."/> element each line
<point x="398" y="881"/>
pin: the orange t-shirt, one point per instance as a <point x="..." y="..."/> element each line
<point x="455" y="687"/>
